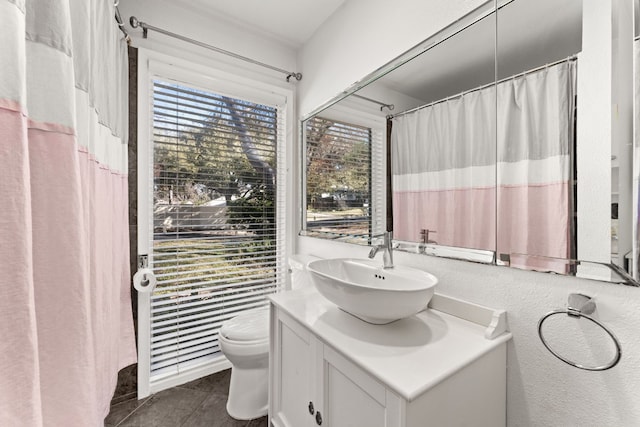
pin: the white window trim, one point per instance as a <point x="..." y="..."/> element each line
<point x="154" y="64"/>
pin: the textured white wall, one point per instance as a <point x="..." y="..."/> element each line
<point x="542" y="391"/>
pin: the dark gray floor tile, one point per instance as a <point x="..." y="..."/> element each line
<point x="120" y="411"/>
<point x="168" y="408"/>
<point x="124" y="398"/>
<point x="217" y="383"/>
<point x="260" y="422"/>
<point x="213" y="413"/>
<point x="127" y="384"/>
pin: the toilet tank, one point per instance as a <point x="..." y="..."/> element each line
<point x="300" y="277"/>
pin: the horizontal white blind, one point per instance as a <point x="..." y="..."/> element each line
<point x="217" y="223"/>
<point x="338" y="179"/>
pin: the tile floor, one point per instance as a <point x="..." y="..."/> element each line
<point x="200" y="403"/>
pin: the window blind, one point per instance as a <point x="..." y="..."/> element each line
<point x="345" y="179"/>
<point x="218" y="213"/>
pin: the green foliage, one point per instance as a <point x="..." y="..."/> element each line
<point x="188" y="263"/>
<point x="256" y="211"/>
<point x="230" y="155"/>
<point x="338" y="160"/>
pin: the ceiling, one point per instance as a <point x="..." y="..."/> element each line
<point x="292" y="21"/>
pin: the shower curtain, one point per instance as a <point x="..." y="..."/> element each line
<point x="65" y="315"/>
<point x="535" y="141"/>
<point x="449" y="176"/>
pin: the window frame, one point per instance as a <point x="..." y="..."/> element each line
<point x="235" y="82"/>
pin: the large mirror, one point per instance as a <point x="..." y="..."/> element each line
<point x="500" y="139"/>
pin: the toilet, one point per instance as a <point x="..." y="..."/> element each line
<point x="244" y="340"/>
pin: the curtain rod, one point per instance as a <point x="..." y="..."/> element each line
<point x="135" y="23"/>
<point x="120" y="23"/>
<point x="381" y="104"/>
<point x="533" y="70"/>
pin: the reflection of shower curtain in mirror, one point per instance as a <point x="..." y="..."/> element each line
<point x="443" y="172"/>
<point x="535" y="142"/>
<point x="444" y="167"/>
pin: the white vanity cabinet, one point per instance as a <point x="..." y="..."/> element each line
<point x="317" y="386"/>
<point x="292" y="355"/>
<point x="329" y="368"/>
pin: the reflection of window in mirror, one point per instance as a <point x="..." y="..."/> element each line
<point x="344" y="189"/>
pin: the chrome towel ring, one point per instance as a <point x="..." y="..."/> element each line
<point x="581" y="306"/>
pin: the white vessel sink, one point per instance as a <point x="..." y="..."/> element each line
<point x="364" y="289"/>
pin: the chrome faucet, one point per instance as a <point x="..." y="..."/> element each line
<point x="386" y="246"/>
<point x="424" y="234"/>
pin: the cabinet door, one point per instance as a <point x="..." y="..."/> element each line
<point x="293" y="352"/>
<point x="352" y="398"/>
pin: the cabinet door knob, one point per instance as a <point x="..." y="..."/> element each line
<point x="318" y="418"/>
<point x="311" y="409"/>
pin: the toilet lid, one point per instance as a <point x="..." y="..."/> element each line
<point x="251" y="325"/>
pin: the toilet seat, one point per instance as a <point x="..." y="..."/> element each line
<point x="250" y="327"/>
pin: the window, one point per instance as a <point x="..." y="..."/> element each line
<point x="345" y="189"/>
<point x="217" y="228"/>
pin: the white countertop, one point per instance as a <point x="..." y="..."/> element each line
<point x="408" y="356"/>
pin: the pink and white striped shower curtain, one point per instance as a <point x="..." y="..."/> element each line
<point x="450" y="177"/>
<point x="65" y="314"/>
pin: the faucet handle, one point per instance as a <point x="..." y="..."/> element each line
<point x="373" y="251"/>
